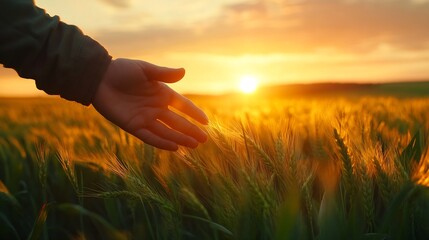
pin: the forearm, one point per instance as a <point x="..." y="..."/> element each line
<point x="58" y="56"/>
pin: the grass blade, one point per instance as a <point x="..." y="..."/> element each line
<point x="38" y="227"/>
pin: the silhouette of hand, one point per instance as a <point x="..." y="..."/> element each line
<point x="134" y="96"/>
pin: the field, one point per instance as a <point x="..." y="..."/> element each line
<point x="286" y="168"/>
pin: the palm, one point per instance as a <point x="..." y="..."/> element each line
<point x="133" y="96"/>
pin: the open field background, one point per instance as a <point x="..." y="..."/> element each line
<point x="338" y="167"/>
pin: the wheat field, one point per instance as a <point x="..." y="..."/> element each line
<point x="298" y="168"/>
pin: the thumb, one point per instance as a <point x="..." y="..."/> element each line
<point x="163" y="74"/>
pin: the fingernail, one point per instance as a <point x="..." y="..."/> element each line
<point x="193" y="143"/>
<point x="173" y="148"/>
<point x="206" y="120"/>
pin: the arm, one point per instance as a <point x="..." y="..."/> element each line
<point x="129" y="93"/>
<point x="61" y="59"/>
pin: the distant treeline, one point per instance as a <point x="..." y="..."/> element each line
<point x="400" y="89"/>
<point x="396" y="89"/>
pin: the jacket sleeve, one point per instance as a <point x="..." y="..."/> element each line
<point x="61" y="59"/>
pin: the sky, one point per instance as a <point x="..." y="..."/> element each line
<point x="276" y="41"/>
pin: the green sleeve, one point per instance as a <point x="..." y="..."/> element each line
<point x="59" y="57"/>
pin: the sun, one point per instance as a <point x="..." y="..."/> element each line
<point x="248" y="84"/>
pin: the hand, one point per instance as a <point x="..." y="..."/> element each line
<point x="134" y="96"/>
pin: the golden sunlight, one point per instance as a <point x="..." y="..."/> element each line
<point x="248" y="84"/>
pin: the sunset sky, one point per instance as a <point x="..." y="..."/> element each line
<point x="219" y="41"/>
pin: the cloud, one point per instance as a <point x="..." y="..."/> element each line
<point x="118" y="3"/>
<point x="248" y="13"/>
<point x="363" y="25"/>
<point x="268" y="26"/>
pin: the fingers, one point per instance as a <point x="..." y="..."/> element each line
<point x="171" y="135"/>
<point x="159" y="135"/>
<point x="162" y="74"/>
<point x="182" y="125"/>
<point x="171" y="75"/>
<point x="187" y="107"/>
<point x="154" y="140"/>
